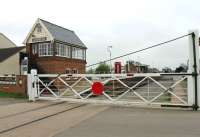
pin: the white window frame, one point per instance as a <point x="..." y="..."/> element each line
<point x="45" y="49"/>
<point x="74" y="71"/>
<point x="63" y="50"/>
<point x="68" y="69"/>
<point x="34" y="48"/>
<point x="78" y="53"/>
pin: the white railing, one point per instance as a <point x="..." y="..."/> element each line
<point x="142" y="88"/>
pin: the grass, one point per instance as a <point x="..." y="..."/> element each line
<point x="12" y="95"/>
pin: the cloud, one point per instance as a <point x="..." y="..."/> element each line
<point x="127" y="25"/>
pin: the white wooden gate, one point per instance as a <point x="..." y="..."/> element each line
<point x="146" y="89"/>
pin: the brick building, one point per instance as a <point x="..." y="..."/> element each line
<point x="135" y="67"/>
<point x="54" y="49"/>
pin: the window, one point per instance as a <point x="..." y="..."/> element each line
<point x="78" y="53"/>
<point x="34" y="48"/>
<point x="45" y="49"/>
<point x="68" y="51"/>
<point x="84" y="54"/>
<point x="62" y="50"/>
<point x="74" y="71"/>
<point x="68" y="71"/>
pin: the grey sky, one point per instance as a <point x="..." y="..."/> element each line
<point x="127" y="25"/>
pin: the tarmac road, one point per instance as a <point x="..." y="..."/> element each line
<point x="97" y="121"/>
<point x="137" y="122"/>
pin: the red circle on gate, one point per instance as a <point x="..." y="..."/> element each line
<point x="97" y="88"/>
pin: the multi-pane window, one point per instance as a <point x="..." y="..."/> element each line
<point x="84" y="54"/>
<point x="74" y="71"/>
<point x="68" y="71"/>
<point x="78" y="53"/>
<point x="68" y="51"/>
<point x="45" y="49"/>
<point x="62" y="50"/>
<point x="34" y="48"/>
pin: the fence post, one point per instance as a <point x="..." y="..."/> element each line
<point x="32" y="89"/>
<point x="193" y="81"/>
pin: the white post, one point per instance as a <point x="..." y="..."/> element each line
<point x="191" y="79"/>
<point x="32" y="89"/>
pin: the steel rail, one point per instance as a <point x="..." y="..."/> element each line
<point x="31" y="110"/>
<point x="40" y="119"/>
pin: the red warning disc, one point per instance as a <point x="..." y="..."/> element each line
<point x="97" y="88"/>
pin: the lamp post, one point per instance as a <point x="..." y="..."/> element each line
<point x="113" y="83"/>
<point x="109" y="50"/>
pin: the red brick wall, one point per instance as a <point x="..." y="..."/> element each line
<point x="20" y="86"/>
<point x="132" y="68"/>
<point x="55" y="65"/>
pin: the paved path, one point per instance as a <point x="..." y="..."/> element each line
<point x="135" y="122"/>
<point x="44" y="127"/>
<point x="8" y="101"/>
<point x="96" y="121"/>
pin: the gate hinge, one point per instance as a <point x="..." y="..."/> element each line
<point x="195" y="107"/>
<point x="194" y="73"/>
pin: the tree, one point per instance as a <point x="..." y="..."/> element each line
<point x="103" y="68"/>
<point x="90" y="71"/>
<point x="181" y="68"/>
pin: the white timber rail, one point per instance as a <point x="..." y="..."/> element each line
<point x="141" y="88"/>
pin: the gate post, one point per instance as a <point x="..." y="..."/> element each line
<point x="32" y="89"/>
<point x="193" y="81"/>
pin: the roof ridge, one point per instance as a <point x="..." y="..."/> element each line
<point x="14" y="47"/>
<point x="56" y="25"/>
<point x="8" y="39"/>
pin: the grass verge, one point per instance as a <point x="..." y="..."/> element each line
<point x="12" y="95"/>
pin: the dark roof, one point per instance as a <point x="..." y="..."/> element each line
<point x="8" y="52"/>
<point x="63" y="34"/>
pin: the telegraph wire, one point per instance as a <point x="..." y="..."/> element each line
<point x="153" y="46"/>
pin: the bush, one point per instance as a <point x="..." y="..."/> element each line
<point x="102" y="68"/>
<point x="11" y="95"/>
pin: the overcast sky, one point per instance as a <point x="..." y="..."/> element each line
<point x="127" y="25"/>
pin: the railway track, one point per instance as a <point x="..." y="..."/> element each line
<point x="16" y="126"/>
<point x="23" y="112"/>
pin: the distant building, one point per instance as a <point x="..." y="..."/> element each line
<point x="6" y="42"/>
<point x="11" y="61"/>
<point x="54" y="49"/>
<point x="153" y="70"/>
<point x="135" y="67"/>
